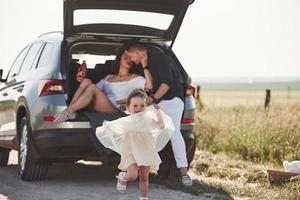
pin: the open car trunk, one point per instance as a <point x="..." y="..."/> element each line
<point x="100" y="62"/>
<point x="132" y="18"/>
<point x="100" y="59"/>
<point x="94" y="30"/>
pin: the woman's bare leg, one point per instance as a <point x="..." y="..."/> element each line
<point x="101" y="103"/>
<point x="82" y="101"/>
<point x="144" y="180"/>
<point x="83" y="86"/>
<point x="92" y="92"/>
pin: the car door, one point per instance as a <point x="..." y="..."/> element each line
<point x="13" y="87"/>
<point x="7" y="104"/>
<point x="158" y="19"/>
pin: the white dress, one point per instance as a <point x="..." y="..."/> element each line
<point x="137" y="138"/>
<point x="116" y="91"/>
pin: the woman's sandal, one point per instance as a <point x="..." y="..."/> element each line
<point x="61" y="117"/>
<point x="121" y="187"/>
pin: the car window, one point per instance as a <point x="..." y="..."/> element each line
<point x="46" y="55"/>
<point x="92" y="60"/>
<point x="31" y="55"/>
<point x="105" y="16"/>
<point x="15" y="68"/>
<point x="36" y="60"/>
<point x="94" y="53"/>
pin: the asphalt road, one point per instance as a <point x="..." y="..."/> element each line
<point x="82" y="181"/>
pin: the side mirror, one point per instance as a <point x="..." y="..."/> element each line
<point x="1" y="74"/>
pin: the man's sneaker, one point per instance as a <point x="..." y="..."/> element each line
<point x="121" y="183"/>
<point x="186" y="180"/>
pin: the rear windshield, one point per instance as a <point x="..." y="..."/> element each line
<point x="92" y="60"/>
<point x="103" y="16"/>
<point x="94" y="53"/>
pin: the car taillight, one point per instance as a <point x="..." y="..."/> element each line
<point x="191" y="90"/>
<point x="187" y="120"/>
<point x="48" y="118"/>
<point x="50" y="87"/>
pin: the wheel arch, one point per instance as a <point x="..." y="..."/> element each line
<point x="21" y="111"/>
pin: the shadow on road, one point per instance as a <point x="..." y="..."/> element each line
<point x="199" y="188"/>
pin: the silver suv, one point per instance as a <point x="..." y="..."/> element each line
<point x="41" y="82"/>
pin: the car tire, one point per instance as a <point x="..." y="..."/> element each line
<point x="4" y="155"/>
<point x="168" y="169"/>
<point x="29" y="167"/>
<point x="191" y="154"/>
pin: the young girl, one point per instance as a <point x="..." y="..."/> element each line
<point x="137" y="138"/>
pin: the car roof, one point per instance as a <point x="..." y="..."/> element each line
<point x="55" y="37"/>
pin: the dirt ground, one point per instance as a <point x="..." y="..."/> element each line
<point x="76" y="182"/>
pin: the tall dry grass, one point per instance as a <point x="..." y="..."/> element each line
<point x="250" y="132"/>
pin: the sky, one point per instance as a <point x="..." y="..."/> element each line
<point x="218" y="38"/>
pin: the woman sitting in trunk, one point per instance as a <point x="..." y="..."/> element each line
<point x="109" y="93"/>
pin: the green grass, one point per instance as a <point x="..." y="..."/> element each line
<point x="251" y="132"/>
<point x="242" y="179"/>
<point x="238" y="132"/>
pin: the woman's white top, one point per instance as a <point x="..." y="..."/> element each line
<point x="116" y="91"/>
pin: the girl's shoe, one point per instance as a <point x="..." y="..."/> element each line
<point x="186" y="180"/>
<point x="121" y="183"/>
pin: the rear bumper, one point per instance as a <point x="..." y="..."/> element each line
<point x="77" y="140"/>
<point x="78" y="144"/>
<point x="64" y="143"/>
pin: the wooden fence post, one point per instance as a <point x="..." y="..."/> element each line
<point x="268" y="99"/>
<point x="198" y="92"/>
<point x="198" y="98"/>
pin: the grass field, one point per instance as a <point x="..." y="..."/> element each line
<point x="240" y="180"/>
<point x="235" y="124"/>
<point x="221" y="98"/>
<point x="251" y="86"/>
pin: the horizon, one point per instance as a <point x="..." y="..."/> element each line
<point x="232" y="38"/>
<point x="247" y="85"/>
<point x="245" y="79"/>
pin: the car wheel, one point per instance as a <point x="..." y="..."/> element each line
<point x="191" y="154"/>
<point x="29" y="168"/>
<point x="4" y="155"/>
<point x="168" y="169"/>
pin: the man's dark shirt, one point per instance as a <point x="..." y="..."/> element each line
<point x="162" y="71"/>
